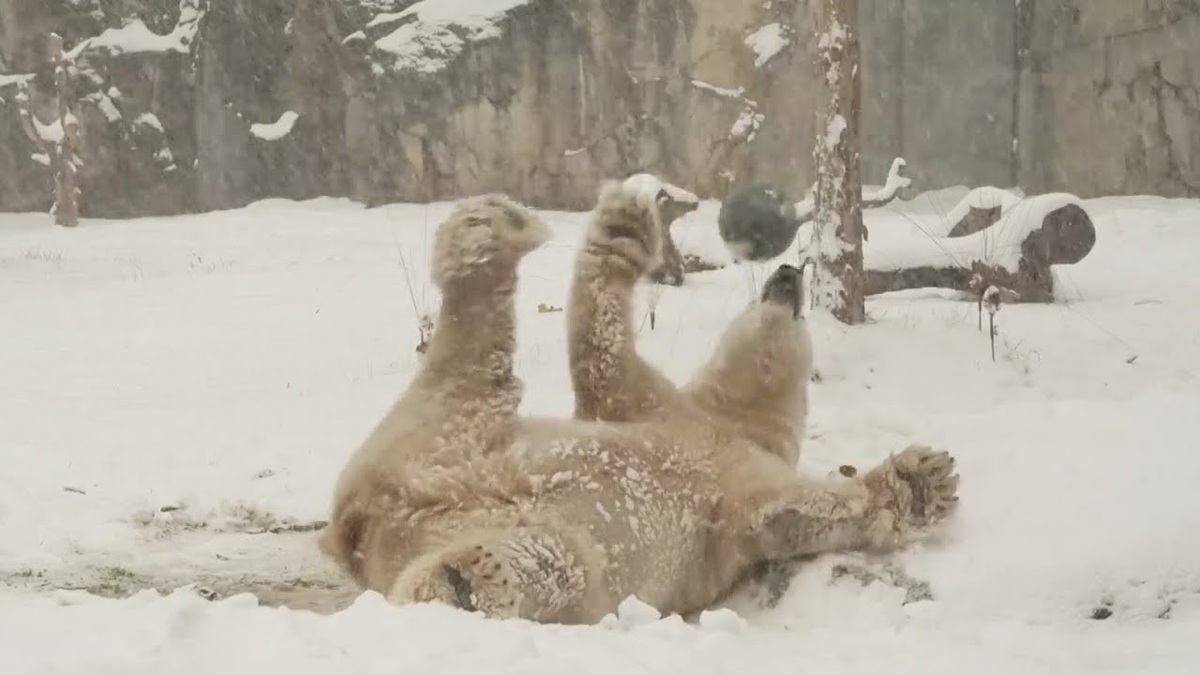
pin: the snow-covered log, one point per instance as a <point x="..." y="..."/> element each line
<point x="1014" y="251"/>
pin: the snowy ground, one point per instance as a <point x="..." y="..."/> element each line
<point x="177" y="395"/>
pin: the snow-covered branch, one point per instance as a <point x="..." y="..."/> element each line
<point x="874" y="199"/>
<point x="871" y="199"/>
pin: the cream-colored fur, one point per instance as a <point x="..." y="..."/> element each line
<point x="560" y="520"/>
<point x="460" y="403"/>
<point x="624" y="242"/>
<point x="613" y="382"/>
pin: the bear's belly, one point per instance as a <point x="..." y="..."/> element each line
<point x="645" y="509"/>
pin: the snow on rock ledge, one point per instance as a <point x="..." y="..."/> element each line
<point x="277" y="129"/>
<point x="8" y="80"/>
<point x="136" y="38"/>
<point x="435" y="31"/>
<point x="768" y="41"/>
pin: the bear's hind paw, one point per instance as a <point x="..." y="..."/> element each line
<point x="932" y="483"/>
<point x="912" y="491"/>
<point x="529" y="576"/>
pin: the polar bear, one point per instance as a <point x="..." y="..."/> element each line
<point x="613" y="382"/>
<point x="560" y="520"/>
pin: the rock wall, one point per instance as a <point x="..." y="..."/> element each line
<point x="1110" y="96"/>
<point x="396" y="100"/>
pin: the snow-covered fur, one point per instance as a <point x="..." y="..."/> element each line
<point x="613" y="382"/>
<point x="624" y="242"/>
<point x="560" y="520"/>
<point x="461" y="402"/>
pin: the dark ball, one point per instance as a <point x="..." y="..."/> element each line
<point x="758" y="223"/>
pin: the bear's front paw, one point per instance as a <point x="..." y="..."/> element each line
<point x="912" y="490"/>
<point x="628" y="234"/>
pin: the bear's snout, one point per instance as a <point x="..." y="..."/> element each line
<point x="785" y="287"/>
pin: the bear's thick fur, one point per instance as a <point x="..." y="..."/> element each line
<point x="560" y="520"/>
<point x="613" y="382"/>
<point x="461" y="402"/>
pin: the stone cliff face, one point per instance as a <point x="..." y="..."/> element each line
<point x="578" y="91"/>
<point x="189" y="104"/>
<point x="1111" y="96"/>
<point x="168" y="93"/>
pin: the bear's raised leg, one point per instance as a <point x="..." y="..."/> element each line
<point x="892" y="504"/>
<point x="466" y="387"/>
<point x="757" y="379"/>
<point x="533" y="573"/>
<point x="612" y="382"/>
<point x="465" y="395"/>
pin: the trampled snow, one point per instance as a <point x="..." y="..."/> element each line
<point x="180" y="393"/>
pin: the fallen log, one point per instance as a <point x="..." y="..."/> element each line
<point x="997" y="239"/>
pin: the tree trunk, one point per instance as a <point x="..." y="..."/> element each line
<point x="66" y="191"/>
<point x="837" y="230"/>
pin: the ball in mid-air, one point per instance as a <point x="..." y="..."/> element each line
<point x="757" y="223"/>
